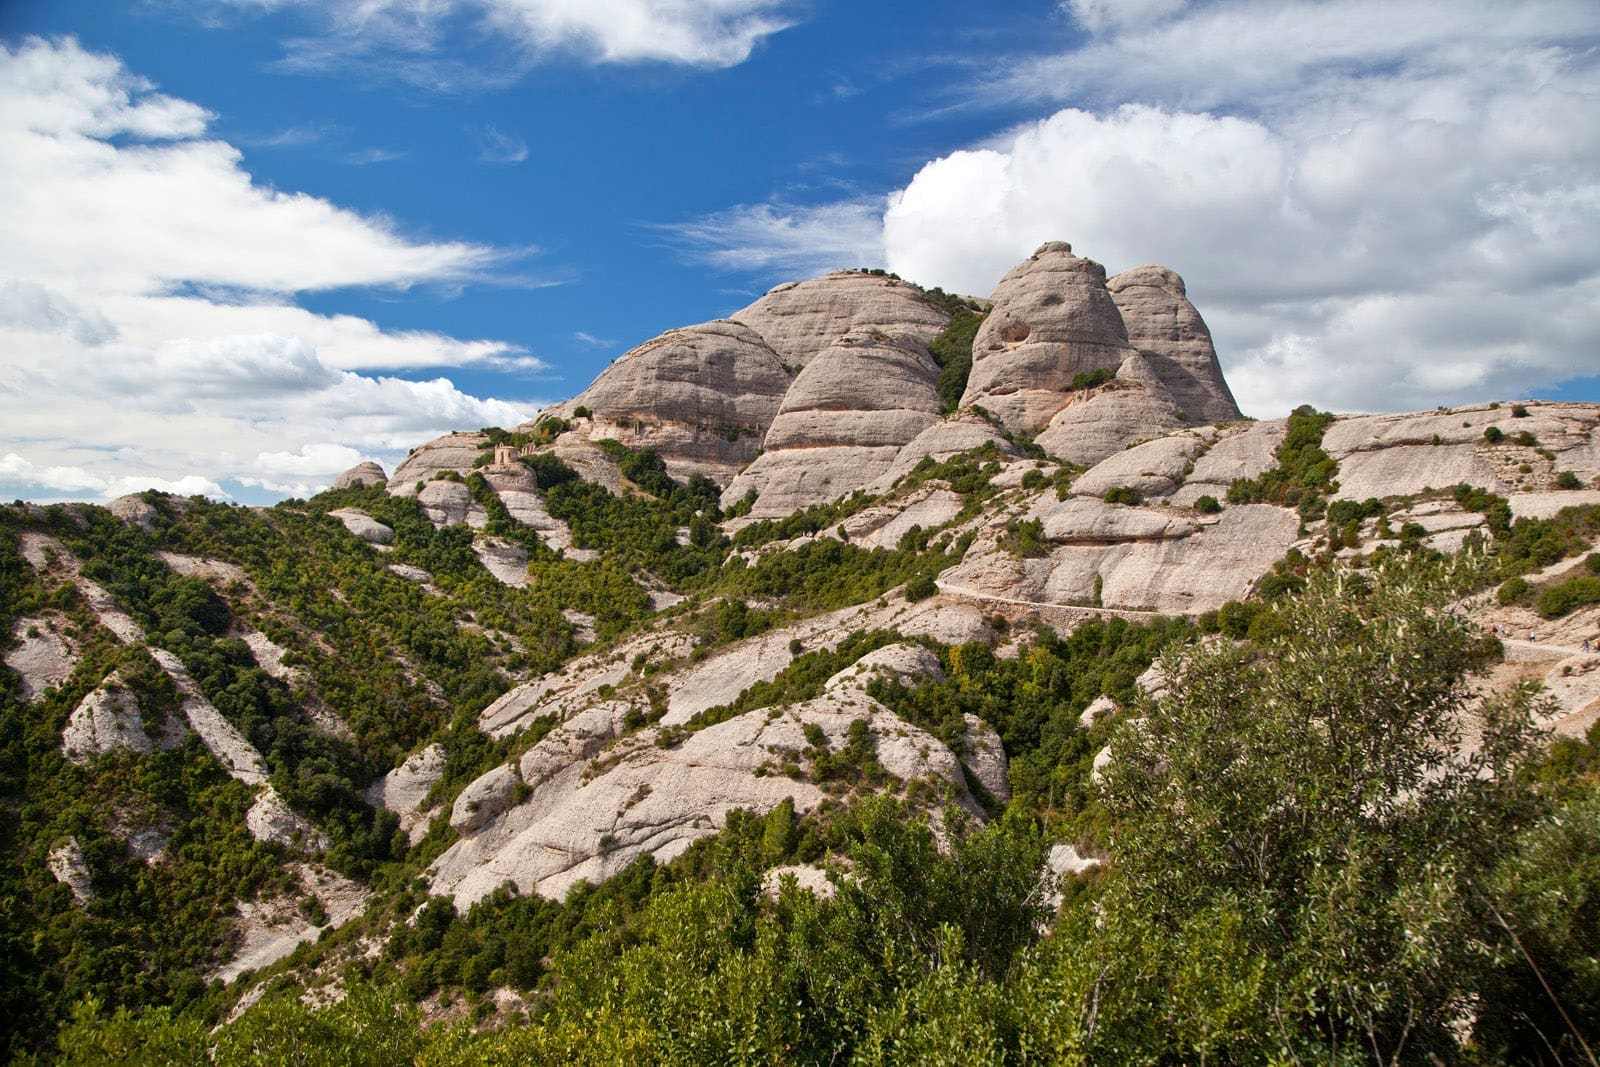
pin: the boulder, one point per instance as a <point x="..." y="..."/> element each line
<point x="1053" y="318"/>
<point x="452" y="452"/>
<point x="506" y="560"/>
<point x="364" y="526"/>
<point x="1153" y="469"/>
<point x="107" y="720"/>
<point x="271" y="820"/>
<point x="403" y="789"/>
<point x="446" y="503"/>
<point x="361" y="476"/>
<point x="68" y="866"/>
<point x="800" y="319"/>
<point x="702" y="396"/>
<point x="133" y="509"/>
<point x="1168" y="331"/>
<point x="985" y="757"/>
<point x="843" y="422"/>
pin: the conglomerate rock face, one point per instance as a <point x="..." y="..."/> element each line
<point x="801" y="319"/>
<point x="1053" y="320"/>
<point x="1166" y="328"/>
<point x="844" y="422"/>
<point x="705" y="396"/>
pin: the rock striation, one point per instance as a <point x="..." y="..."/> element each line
<point x="705" y="396"/>
<point x="701" y="396"/>
<point x="843" y="423"/>
<point x="452" y="452"/>
<point x="1053" y="319"/>
<point x="1167" y="330"/>
<point x="1057" y="320"/>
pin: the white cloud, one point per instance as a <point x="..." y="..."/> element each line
<point x="1377" y="204"/>
<point x="411" y="39"/>
<point x="16" y="470"/>
<point x="786" y="238"/>
<point x="146" y="319"/>
<point x="496" y="146"/>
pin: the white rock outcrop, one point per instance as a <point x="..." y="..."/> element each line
<point x="108" y="720"/>
<point x="271" y="819"/>
<point x="452" y="452"/>
<point x="364" y="526"/>
<point x="1053" y="318"/>
<point x="361" y="476"/>
<point x="69" y="867"/>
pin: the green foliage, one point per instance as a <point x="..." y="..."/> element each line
<point x="1512" y="590"/>
<point x="1548" y="894"/>
<point x="921" y="588"/>
<point x="801" y="680"/>
<point x="1341" y="512"/>
<point x="1122" y="494"/>
<point x="1207" y="505"/>
<point x="1563" y="599"/>
<point x="1568" y="480"/>
<point x="1526" y="544"/>
<point x="1025" y="538"/>
<point x="1304" y="475"/>
<point x="1033" y="702"/>
<point x="1312" y="831"/>
<point x="1519" y="411"/>
<point x="952" y="350"/>
<point x="1494" y="435"/>
<point x="808" y="520"/>
<point x="1093" y="378"/>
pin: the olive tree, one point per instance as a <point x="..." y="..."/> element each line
<point x="1305" y="826"/>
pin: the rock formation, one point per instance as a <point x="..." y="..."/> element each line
<point x="704" y="396"/>
<point x="843" y="423"/>
<point x="361" y="476"/>
<point x="1052" y="320"/>
<point x="452" y="452"/>
<point x="1170" y="333"/>
<point x="800" y="319"/>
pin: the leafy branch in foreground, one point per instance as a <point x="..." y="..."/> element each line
<point x="1312" y="795"/>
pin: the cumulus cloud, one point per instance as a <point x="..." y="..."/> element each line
<point x="1377" y="204"/>
<point x="146" y="301"/>
<point x="411" y="39"/>
<point x="786" y="238"/>
<point x="17" y="470"/>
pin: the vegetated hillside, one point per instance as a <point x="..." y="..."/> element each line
<point x="552" y="748"/>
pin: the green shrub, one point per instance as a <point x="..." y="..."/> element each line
<point x="921" y="588"/>
<point x="1558" y="600"/>
<point x="1494" y="434"/>
<point x="1512" y="590"/>
<point x="1592" y="561"/>
<point x="1093" y="378"/>
<point x="952" y="350"/>
<point x="1519" y="411"/>
<point x="1122" y="494"/>
<point x="1568" y="480"/>
<point x="1207" y="505"/>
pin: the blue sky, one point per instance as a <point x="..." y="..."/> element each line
<point x="253" y="242"/>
